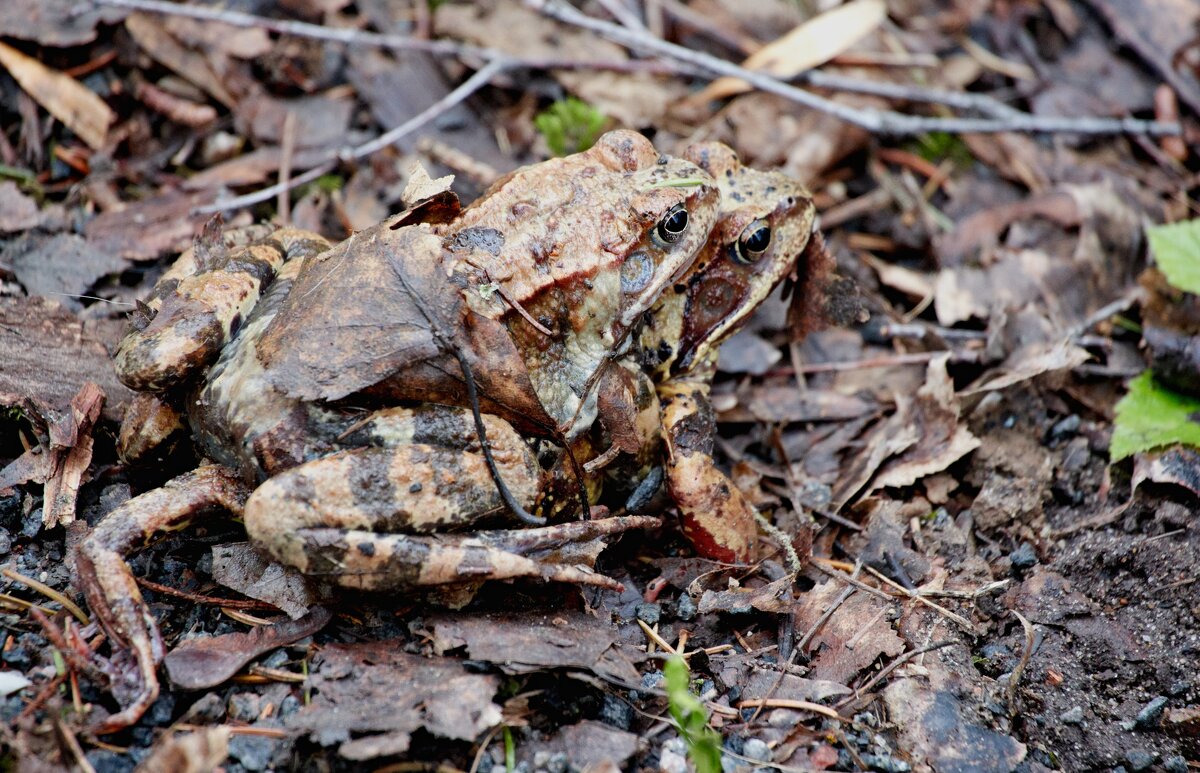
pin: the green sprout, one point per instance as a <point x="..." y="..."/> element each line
<point x="570" y="126"/>
<point x="691" y="720"/>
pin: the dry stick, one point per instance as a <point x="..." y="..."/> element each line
<point x="963" y="100"/>
<point x="883" y="122"/>
<point x="846" y="593"/>
<point x="858" y="691"/>
<point x="452" y="98"/>
<point x="914" y="595"/>
<point x="1015" y="677"/>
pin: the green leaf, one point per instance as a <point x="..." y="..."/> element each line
<point x="704" y="745"/>
<point x="1176" y="248"/>
<point x="1152" y="416"/>
<point x="570" y="126"/>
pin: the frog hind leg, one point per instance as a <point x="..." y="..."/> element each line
<point x="370" y="561"/>
<point x="195" y="309"/>
<point x="110" y="588"/>
<point x="716" y="517"/>
<point x="375" y="517"/>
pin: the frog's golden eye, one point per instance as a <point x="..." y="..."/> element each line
<point x="673" y="224"/>
<point x="753" y="243"/>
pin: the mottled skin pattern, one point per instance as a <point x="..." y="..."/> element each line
<point x="765" y="227"/>
<point x="365" y="500"/>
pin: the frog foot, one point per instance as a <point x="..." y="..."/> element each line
<point x="112" y="592"/>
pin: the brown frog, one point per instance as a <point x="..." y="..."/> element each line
<point x="364" y="498"/>
<point x="765" y="234"/>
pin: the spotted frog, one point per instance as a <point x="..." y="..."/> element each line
<point x="765" y="234"/>
<point x="317" y="403"/>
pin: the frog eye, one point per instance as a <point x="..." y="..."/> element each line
<point x="673" y="224"/>
<point x="636" y="272"/>
<point x="753" y="243"/>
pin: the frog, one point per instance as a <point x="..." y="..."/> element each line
<point x="766" y="234"/>
<point x="382" y="489"/>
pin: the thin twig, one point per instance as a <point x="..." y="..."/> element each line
<point x="452" y="98"/>
<point x="912" y="594"/>
<point x="49" y="593"/>
<point x="199" y="598"/>
<point x="788" y="703"/>
<point x="1014" y="678"/>
<point x="879" y="122"/>
<point x="892" y="667"/>
<point x="963" y="100"/>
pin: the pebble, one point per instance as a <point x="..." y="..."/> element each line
<point x="1068" y="426"/>
<point x="558" y="763"/>
<point x="1139" y="759"/>
<point x="885" y="763"/>
<point x="1175" y="764"/>
<point x="649" y="613"/>
<point x="685" y="609"/>
<point x="784" y="719"/>
<point x="1147" y="718"/>
<point x="1072" y="716"/>
<point x="672" y="762"/>
<point x="104" y="761"/>
<point x="756" y="750"/>
<point x="1024" y="557"/>
<point x="617" y="713"/>
<point x="5" y="541"/>
<point x="253" y="751"/>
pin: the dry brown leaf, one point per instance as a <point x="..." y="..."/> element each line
<point x="943" y="440"/>
<point x="68" y="100"/>
<point x="198" y="752"/>
<point x="852" y="639"/>
<point x="151" y="34"/>
<point x="421" y="186"/>
<point x="242" y="568"/>
<point x="632" y="99"/>
<point x="48" y="354"/>
<point x="381" y="695"/>
<point x="199" y="663"/>
<point x="810" y="44"/>
<point x="1028" y="362"/>
<point x="774" y="597"/>
<point x="18" y="212"/>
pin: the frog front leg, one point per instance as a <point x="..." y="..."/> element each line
<point x="199" y="304"/>
<point x="112" y="593"/>
<point x="377" y="517"/>
<point x="716" y="517"/>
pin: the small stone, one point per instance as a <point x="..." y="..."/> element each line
<point x="1175" y="764"/>
<point x="558" y="763"/>
<point x="652" y="680"/>
<point x="617" y="713"/>
<point x="784" y="719"/>
<point x="756" y="750"/>
<point x="277" y="659"/>
<point x="1139" y="759"/>
<point x="1072" y="716"/>
<point x="540" y="759"/>
<point x="104" y="761"/>
<point x="1068" y="426"/>
<point x="885" y="763"/>
<point x="1151" y="713"/>
<point x="671" y="762"/>
<point x="5" y="541"/>
<point x="649" y="613"/>
<point x="685" y="609"/>
<point x="254" y="752"/>
<point x="1023" y="558"/>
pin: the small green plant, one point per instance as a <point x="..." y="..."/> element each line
<point x="935" y="147"/>
<point x="1176" y="249"/>
<point x="704" y="745"/>
<point x="570" y="126"/>
<point x="1151" y="416"/>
